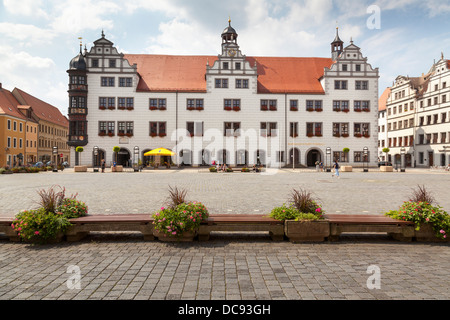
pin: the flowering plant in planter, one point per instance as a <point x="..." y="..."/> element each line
<point x="51" y="219"/>
<point x="301" y="207"/>
<point x="185" y="217"/>
<point x="420" y="210"/>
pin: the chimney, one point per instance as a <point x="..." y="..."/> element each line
<point x="0" y="85"/>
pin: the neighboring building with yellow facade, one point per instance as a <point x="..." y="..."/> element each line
<point x="53" y="128"/>
<point x="29" y="129"/>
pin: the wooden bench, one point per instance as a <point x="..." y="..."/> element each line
<point x="118" y="222"/>
<point x="241" y="222"/>
<point x="340" y="223"/>
<point x="5" y="227"/>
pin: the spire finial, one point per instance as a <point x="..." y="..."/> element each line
<point x="81" y="43"/>
<point x="103" y="34"/>
<point x="229" y="21"/>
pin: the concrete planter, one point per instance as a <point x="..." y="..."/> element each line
<point x="80" y="169"/>
<point x="346" y="168"/>
<point x="427" y="234"/>
<point x="386" y="169"/>
<point x="185" y="237"/>
<point x="307" y="230"/>
<point x="117" y="169"/>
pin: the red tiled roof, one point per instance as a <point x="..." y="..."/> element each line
<point x="187" y="73"/>
<point x="383" y="99"/>
<point x="9" y="104"/>
<point x="43" y="110"/>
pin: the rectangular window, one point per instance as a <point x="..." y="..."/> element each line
<point x="222" y="83"/>
<point x="162" y="127"/>
<point x="361" y="129"/>
<point x="20" y="127"/>
<point x="344" y="67"/>
<point x="107" y="81"/>
<point x="9" y="142"/>
<point x="293" y="129"/>
<point x="95" y="63"/>
<point x="121" y="128"/>
<point x="225" y="66"/>
<point x="102" y="127"/>
<point x="231" y="129"/>
<point x="340" y="84"/>
<point x="358" y="67"/>
<point x="238" y="66"/>
<point x="125" y="82"/>
<point x="111" y="127"/>
<point x="130" y="102"/>
<point x="268" y="129"/>
<point x="273" y="105"/>
<point x="314" y="129"/>
<point x="360" y="156"/>
<point x="294" y="105"/>
<point x="111" y="103"/>
<point x="121" y="103"/>
<point x="112" y="63"/>
<point x="9" y="124"/>
<point x="264" y="105"/>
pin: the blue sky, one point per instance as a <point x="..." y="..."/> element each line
<point x="38" y="38"/>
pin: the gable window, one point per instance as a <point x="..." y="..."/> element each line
<point x="222" y="83"/>
<point x="107" y="81"/>
<point x="95" y="63"/>
<point x="125" y="82"/>
<point x="362" y="85"/>
<point x="241" y="83"/>
<point x="225" y="66"/>
<point x="340" y="84"/>
<point x="238" y="66"/>
<point x="358" y="67"/>
<point x="112" y="63"/>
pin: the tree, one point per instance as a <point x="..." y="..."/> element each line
<point x="346" y="151"/>
<point x="386" y="150"/>
<point x="116" y="150"/>
<point x="79" y="150"/>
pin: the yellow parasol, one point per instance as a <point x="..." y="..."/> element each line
<point x="159" y="152"/>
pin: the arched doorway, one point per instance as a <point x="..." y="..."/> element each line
<point x="312" y="156"/>
<point x="242" y="158"/>
<point x="294" y="157"/>
<point x="205" y="156"/>
<point x="260" y="157"/>
<point x="223" y="157"/>
<point x="123" y="157"/>
<point x="185" y="157"/>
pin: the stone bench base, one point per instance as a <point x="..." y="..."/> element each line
<point x="245" y="223"/>
<point x="110" y="223"/>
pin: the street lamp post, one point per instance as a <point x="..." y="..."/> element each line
<point x="55" y="158"/>
<point x="402" y="152"/>
<point x="328" y="159"/>
<point x="136" y="159"/>
<point x="95" y="158"/>
<point x="366" y="159"/>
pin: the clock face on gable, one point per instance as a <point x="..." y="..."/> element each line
<point x="231" y="52"/>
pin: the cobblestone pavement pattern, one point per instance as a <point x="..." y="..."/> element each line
<point x="245" y="193"/>
<point x="239" y="268"/>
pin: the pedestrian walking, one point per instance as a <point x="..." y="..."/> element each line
<point x="317" y="166"/>
<point x="103" y="164"/>
<point x="336" y="167"/>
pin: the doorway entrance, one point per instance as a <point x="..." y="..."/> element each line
<point x="313" y="156"/>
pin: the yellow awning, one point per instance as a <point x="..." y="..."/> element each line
<point x="159" y="152"/>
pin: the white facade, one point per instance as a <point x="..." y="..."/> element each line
<point x="418" y="115"/>
<point x="350" y="83"/>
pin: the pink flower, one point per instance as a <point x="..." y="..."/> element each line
<point x="162" y="208"/>
<point x="318" y="210"/>
<point x="36" y="233"/>
<point x="174" y="232"/>
<point x="442" y="231"/>
<point x="427" y="219"/>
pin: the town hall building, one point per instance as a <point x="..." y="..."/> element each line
<point x="229" y="108"/>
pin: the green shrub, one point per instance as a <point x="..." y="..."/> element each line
<point x="173" y="221"/>
<point x="423" y="213"/>
<point x="213" y="169"/>
<point x="2" y="170"/>
<point x="39" y="225"/>
<point x="303" y="201"/>
<point x="72" y="208"/>
<point x="284" y="213"/>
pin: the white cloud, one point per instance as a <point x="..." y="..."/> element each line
<point x="26" y="32"/>
<point x="73" y="17"/>
<point x="25" y="8"/>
